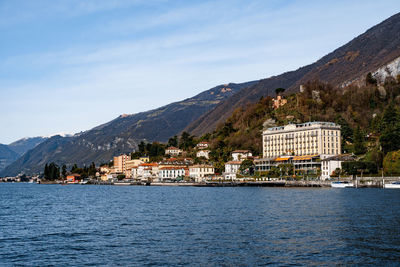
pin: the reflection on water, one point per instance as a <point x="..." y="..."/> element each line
<point x="105" y="225"/>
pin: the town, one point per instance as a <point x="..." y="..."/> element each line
<point x="295" y="154"/>
<point x="307" y="151"/>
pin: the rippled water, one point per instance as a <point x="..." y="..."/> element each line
<point x="108" y="225"/>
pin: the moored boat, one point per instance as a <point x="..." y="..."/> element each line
<point x="392" y="185"/>
<point x="341" y="184"/>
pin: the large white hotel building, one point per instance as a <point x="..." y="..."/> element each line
<point x="311" y="138"/>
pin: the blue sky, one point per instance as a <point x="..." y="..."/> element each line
<point x="68" y="66"/>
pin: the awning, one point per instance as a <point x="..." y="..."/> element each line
<point x="282" y="159"/>
<point x="305" y="157"/>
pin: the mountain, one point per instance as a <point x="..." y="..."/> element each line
<point x="7" y="156"/>
<point x="9" y="153"/>
<point x="376" y="51"/>
<point x="25" y="144"/>
<point x="122" y="134"/>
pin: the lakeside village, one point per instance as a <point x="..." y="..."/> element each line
<point x="307" y="154"/>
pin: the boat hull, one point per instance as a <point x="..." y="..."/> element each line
<point x="391" y="186"/>
<point x="341" y="185"/>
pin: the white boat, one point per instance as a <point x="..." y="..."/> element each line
<point x="341" y="184"/>
<point x="392" y="185"/>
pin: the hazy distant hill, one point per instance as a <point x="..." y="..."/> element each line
<point x="7" y="156"/>
<point x="122" y="134"/>
<point x="374" y="49"/>
<point x="9" y="153"/>
<point x="25" y="144"/>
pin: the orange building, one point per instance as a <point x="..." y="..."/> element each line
<point x="73" y="178"/>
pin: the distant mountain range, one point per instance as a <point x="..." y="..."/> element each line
<point x="25" y="144"/>
<point x="122" y="134"/>
<point x="376" y="51"/>
<point x="10" y="153"/>
<point x="7" y="156"/>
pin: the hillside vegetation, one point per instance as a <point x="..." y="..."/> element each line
<point x="369" y="116"/>
<point x="374" y="49"/>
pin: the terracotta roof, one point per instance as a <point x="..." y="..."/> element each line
<point x="234" y="162"/>
<point x="203" y="143"/>
<point x="173" y="168"/>
<point x="149" y="165"/>
<point x="241" y="151"/>
<point x="172" y="148"/>
<point x="201" y="166"/>
<point x="74" y="174"/>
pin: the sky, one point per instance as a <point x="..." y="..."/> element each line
<point x="67" y="66"/>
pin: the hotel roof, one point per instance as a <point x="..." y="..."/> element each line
<point x="306" y="124"/>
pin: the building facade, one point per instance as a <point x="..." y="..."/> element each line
<point x="173" y="151"/>
<point x="203" y="153"/>
<point x="172" y="173"/>
<point x="278" y="102"/>
<point x="200" y="172"/>
<point x="311" y="138"/>
<point x="202" y="145"/>
<point x="120" y="163"/>
<point x="240" y="155"/>
<point x="232" y="166"/>
<point x="329" y="165"/>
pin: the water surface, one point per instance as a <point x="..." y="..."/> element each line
<point x="159" y="226"/>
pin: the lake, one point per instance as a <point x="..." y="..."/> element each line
<point x="171" y="226"/>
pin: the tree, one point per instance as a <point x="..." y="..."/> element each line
<point x="51" y="171"/>
<point x="46" y="171"/>
<point x="390" y="137"/>
<point x="359" y="142"/>
<point x="92" y="169"/>
<point x="369" y="79"/>
<point x="173" y="141"/>
<point x="390" y="116"/>
<point x="74" y="168"/>
<point x="247" y="167"/>
<point x="142" y="147"/>
<point x="64" y="171"/>
<point x="121" y="177"/>
<point x="186" y="141"/>
<point x="390" y="140"/>
<point x="279" y="90"/>
<point x="346" y="131"/>
<point x="355" y="167"/>
<point x="391" y="163"/>
<point x="24" y="178"/>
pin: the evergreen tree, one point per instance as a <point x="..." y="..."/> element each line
<point x="46" y="172"/>
<point x="92" y="169"/>
<point x="64" y="171"/>
<point x="280" y="90"/>
<point x="346" y="131"/>
<point x="390" y="137"/>
<point x="142" y="148"/>
<point x="247" y="167"/>
<point x="186" y="141"/>
<point x="74" y="168"/>
<point x="370" y="79"/>
<point x="359" y="142"/>
<point x="173" y="141"/>
<point x="51" y="171"/>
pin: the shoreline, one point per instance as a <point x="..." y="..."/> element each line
<point x="287" y="184"/>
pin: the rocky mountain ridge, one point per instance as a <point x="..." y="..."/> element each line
<point x="122" y="134"/>
<point x="377" y="48"/>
